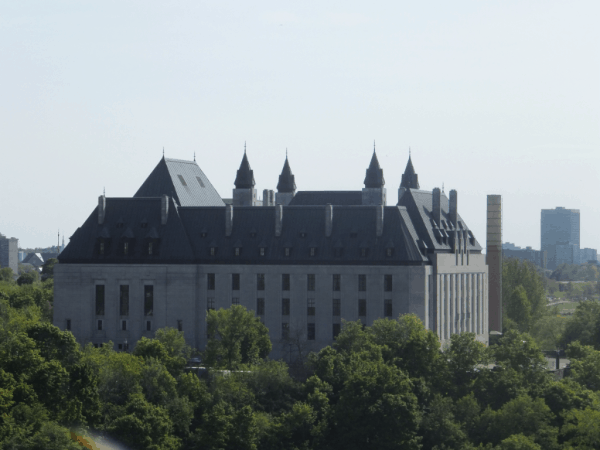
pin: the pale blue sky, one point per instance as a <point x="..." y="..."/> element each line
<point x="493" y="97"/>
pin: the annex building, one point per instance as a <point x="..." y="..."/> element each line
<point x="302" y="260"/>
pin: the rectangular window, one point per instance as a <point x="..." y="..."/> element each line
<point x="120" y="346"/>
<point x="68" y="324"/>
<point x="310" y="331"/>
<point x="123" y="325"/>
<point x="387" y="308"/>
<point x="285" y="306"/>
<point x="287" y="251"/>
<point x="387" y="283"/>
<point x="260" y="281"/>
<point x="285" y="330"/>
<point x="150" y="248"/>
<point x="337" y="307"/>
<point x="262" y="251"/>
<point x="100" y="325"/>
<point x="285" y="282"/>
<point x="362" y="307"/>
<point x="102" y="248"/>
<point x="148" y="325"/>
<point x="313" y="251"/>
<point x="310" y="310"/>
<point x="260" y="306"/>
<point x="210" y="303"/>
<point x="125" y="248"/>
<point x="99" y="299"/>
<point x="124" y="299"/>
<point x="148" y="300"/>
<point x="235" y="281"/>
<point x="336" y="329"/>
<point x="210" y="281"/>
<point x="337" y="282"/>
<point x="310" y="282"/>
<point x="235" y="301"/>
<point x="179" y="325"/>
<point x="362" y="283"/>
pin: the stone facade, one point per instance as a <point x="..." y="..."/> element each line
<point x="9" y="253"/>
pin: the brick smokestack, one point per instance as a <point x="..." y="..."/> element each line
<point x="494" y="261"/>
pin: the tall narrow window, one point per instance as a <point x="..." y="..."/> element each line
<point x="336" y="329"/>
<point x="124" y="299"/>
<point x="362" y="283"/>
<point x="123" y="325"/>
<point x="150" y="248"/>
<point x="235" y="282"/>
<point x="262" y="251"/>
<point x="337" y="283"/>
<point x="210" y="303"/>
<point x="285" y="306"/>
<point x="101" y="250"/>
<point x="125" y="248"/>
<point x="99" y="299"/>
<point x="260" y="281"/>
<point x="210" y="281"/>
<point x="235" y="301"/>
<point x="285" y="282"/>
<point x="68" y="324"/>
<point x="260" y="306"/>
<point x="337" y="307"/>
<point x="387" y="308"/>
<point x="310" y="282"/>
<point x="362" y="307"/>
<point x="285" y="330"/>
<point x="148" y="300"/>
<point x="313" y="251"/>
<point x="287" y="251"/>
<point x="310" y="331"/>
<point x="213" y="251"/>
<point x="99" y="325"/>
<point x="148" y="325"/>
<point x="180" y="325"/>
<point x="310" y="310"/>
<point x="237" y="251"/>
<point x="387" y="283"/>
<point x="363" y="252"/>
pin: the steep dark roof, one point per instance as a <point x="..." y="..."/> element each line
<point x="341" y="198"/>
<point x="410" y="180"/>
<point x="374" y="177"/>
<point x="182" y="180"/>
<point x="287" y="181"/>
<point x="245" y="176"/>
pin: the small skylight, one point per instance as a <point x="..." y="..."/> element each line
<point x="182" y="180"/>
<point x="199" y="181"/>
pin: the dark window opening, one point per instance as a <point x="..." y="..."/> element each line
<point x="120" y="346"/>
<point x="310" y="282"/>
<point x="260" y="281"/>
<point x="148" y="300"/>
<point x="337" y="282"/>
<point x="313" y="251"/>
<point x="389" y="252"/>
<point x="99" y="325"/>
<point x="213" y="251"/>
<point x="124" y="300"/>
<point x="180" y="325"/>
<point x="123" y="325"/>
<point x="210" y="304"/>
<point x="387" y="308"/>
<point x="362" y="283"/>
<point x="310" y="331"/>
<point x="310" y="310"/>
<point x="387" y="283"/>
<point x="150" y="249"/>
<point x="101" y="249"/>
<point x="262" y="251"/>
<point x="287" y="251"/>
<point x="125" y="248"/>
<point x="99" y="299"/>
<point x="260" y="306"/>
<point x="285" y="330"/>
<point x="68" y="324"/>
<point x="336" y="329"/>
<point x="285" y="282"/>
<point x="148" y="325"/>
<point x="337" y="307"/>
<point x="210" y="281"/>
<point x="235" y="281"/>
<point x="237" y="251"/>
<point x="362" y="307"/>
<point x="285" y="306"/>
<point x="235" y="301"/>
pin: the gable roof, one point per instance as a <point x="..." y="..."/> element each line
<point x="341" y="198"/>
<point x="182" y="180"/>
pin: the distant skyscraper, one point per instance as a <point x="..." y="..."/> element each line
<point x="560" y="236"/>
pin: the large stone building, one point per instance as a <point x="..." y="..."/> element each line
<point x="9" y="253"/>
<point x="560" y="236"/>
<point x="303" y="261"/>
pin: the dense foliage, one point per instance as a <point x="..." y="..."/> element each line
<point x="387" y="386"/>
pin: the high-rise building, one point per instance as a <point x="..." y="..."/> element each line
<point x="9" y="253"/>
<point x="560" y="236"/>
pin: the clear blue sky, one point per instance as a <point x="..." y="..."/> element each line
<point x="493" y="97"/>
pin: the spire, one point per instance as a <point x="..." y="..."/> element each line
<point x="245" y="175"/>
<point x="410" y="180"/>
<point x="287" y="181"/>
<point x="374" y="177"/>
<point x="163" y="153"/>
<point x="194" y="156"/>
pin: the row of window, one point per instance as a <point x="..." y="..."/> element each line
<point x="310" y="306"/>
<point x="126" y="248"/>
<point x="311" y="330"/>
<point x="312" y="251"/>
<point x="310" y="282"/>
<point x="124" y="300"/>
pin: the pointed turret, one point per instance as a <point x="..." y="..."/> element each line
<point x="374" y="177"/>
<point x="410" y="180"/>
<point x="245" y="175"/>
<point x="287" y="181"/>
<point x="374" y="193"/>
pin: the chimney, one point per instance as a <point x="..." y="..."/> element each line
<point x="328" y="219"/>
<point x="164" y="209"/>
<point x="454" y="208"/>
<point x="379" y="220"/>
<point x="494" y="261"/>
<point x="101" y="209"/>
<point x="278" y="219"/>
<point x="228" y="219"/>
<point x="265" y="197"/>
<point x="436" y="209"/>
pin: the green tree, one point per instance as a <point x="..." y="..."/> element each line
<point x="585" y="365"/>
<point x="518" y="308"/>
<point x="581" y="428"/>
<point x="236" y="337"/>
<point x="48" y="269"/>
<point x="524" y="273"/>
<point x="6" y="275"/>
<point x="27" y="278"/>
<point x="583" y="324"/>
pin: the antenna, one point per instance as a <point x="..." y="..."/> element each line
<point x="194" y="156"/>
<point x="244" y="147"/>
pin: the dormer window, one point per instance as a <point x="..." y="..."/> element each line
<point x="313" y="251"/>
<point x="389" y="252"/>
<point x="101" y="248"/>
<point x="150" y="249"/>
<point x="213" y="251"/>
<point x="262" y="251"/>
<point x="364" y="252"/>
<point x="287" y="251"/>
<point x="237" y="251"/>
<point x="125" y="248"/>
